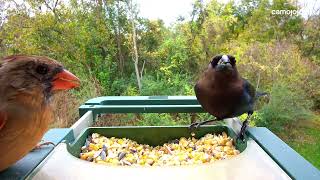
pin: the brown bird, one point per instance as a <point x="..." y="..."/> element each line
<point x="223" y="93"/>
<point x="27" y="85"/>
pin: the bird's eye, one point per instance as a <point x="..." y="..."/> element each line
<point x="42" y="69"/>
<point x="232" y="59"/>
<point x="215" y="60"/>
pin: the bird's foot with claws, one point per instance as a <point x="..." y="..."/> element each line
<point x="240" y="137"/>
<point x="241" y="134"/>
<point x="195" y="125"/>
<point x="38" y="146"/>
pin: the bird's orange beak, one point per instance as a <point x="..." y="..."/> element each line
<point x="65" y="80"/>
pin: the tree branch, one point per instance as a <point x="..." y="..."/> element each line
<point x="141" y="72"/>
<point x="258" y="82"/>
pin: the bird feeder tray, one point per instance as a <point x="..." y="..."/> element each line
<point x="263" y="155"/>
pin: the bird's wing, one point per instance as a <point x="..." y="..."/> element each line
<point x="3" y="119"/>
<point x="249" y="88"/>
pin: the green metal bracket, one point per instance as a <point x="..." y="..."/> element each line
<point x="141" y="104"/>
<point x="143" y="100"/>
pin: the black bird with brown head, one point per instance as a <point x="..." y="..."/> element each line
<point x="223" y="93"/>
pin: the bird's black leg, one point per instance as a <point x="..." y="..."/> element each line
<point x="198" y="124"/>
<point x="244" y="127"/>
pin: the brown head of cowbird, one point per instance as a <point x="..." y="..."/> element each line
<point x="27" y="85"/>
<point x="223" y="93"/>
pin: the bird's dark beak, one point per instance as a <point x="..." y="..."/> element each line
<point x="65" y="80"/>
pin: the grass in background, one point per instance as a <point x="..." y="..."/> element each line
<point x="150" y="119"/>
<point x="304" y="137"/>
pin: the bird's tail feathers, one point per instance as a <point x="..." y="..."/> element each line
<point x="260" y="94"/>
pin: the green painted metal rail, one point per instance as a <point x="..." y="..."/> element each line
<point x="142" y="104"/>
<point x="287" y="158"/>
<point x="143" y="100"/>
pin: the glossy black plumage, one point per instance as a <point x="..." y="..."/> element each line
<point x="223" y="93"/>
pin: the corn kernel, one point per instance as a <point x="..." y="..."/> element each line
<point x="222" y="142"/>
<point x="83" y="156"/>
<point x="114" y="161"/>
<point x="229" y="143"/>
<point x="226" y="148"/>
<point x="236" y="152"/>
<point x="224" y="134"/>
<point x="94" y="147"/>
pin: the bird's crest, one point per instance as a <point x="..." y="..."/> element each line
<point x="21" y="57"/>
<point x="14" y="57"/>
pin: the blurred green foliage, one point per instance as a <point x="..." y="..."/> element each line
<point x="157" y="120"/>
<point x="285" y="106"/>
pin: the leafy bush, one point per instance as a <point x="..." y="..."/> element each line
<point x="120" y="86"/>
<point x="170" y="119"/>
<point x="175" y="85"/>
<point x="285" y="106"/>
<point x="156" y="120"/>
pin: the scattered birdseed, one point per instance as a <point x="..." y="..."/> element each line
<point x="183" y="151"/>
